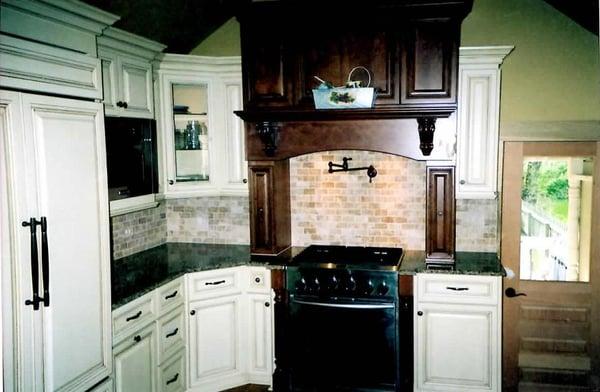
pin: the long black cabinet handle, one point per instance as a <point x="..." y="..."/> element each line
<point x="171" y="295"/>
<point x="457" y="288"/>
<point x="171" y="381"/>
<point x="35" y="277"/>
<point x="172" y="333"/>
<point x="45" y="263"/>
<point x="214" y="283"/>
<point x="137" y="315"/>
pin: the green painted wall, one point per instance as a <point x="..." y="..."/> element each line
<point x="225" y="41"/>
<point x="552" y="75"/>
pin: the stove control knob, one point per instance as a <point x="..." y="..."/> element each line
<point x="316" y="285"/>
<point x="333" y="283"/>
<point x="351" y="284"/>
<point x="301" y="285"/>
<point x="368" y="288"/>
<point x="383" y="288"/>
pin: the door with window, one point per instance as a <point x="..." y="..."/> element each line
<point x="551" y="250"/>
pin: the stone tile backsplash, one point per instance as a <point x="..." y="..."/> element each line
<point x="477" y="225"/>
<point x="211" y="220"/>
<point x="138" y="231"/>
<point x="339" y="208"/>
<point x="344" y="208"/>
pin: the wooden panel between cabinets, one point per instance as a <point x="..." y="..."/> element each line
<point x="440" y="232"/>
<point x="270" y="215"/>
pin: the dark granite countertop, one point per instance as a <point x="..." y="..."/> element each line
<point x="140" y="273"/>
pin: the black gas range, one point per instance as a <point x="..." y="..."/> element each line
<point x="350" y="330"/>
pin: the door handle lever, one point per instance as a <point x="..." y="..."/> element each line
<point x="510" y="293"/>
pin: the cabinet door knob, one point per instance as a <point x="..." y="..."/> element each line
<point x="245" y="180"/>
<point x="137" y="338"/>
<point x="257" y="279"/>
<point x="124" y="105"/>
<point x="419" y="313"/>
<point x="267" y="304"/>
<point x="192" y="312"/>
<point x="462" y="182"/>
<point x="171" y="182"/>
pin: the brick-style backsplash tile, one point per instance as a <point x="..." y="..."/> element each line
<point x="344" y="208"/>
<point x="211" y="220"/>
<point x="138" y="231"/>
<point x="477" y="225"/>
<point x="338" y="208"/>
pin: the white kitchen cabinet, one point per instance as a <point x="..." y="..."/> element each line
<point x="135" y="362"/>
<point x="56" y="308"/>
<point x="215" y="343"/>
<point x="201" y="140"/>
<point x="230" y="328"/>
<point x="149" y="339"/>
<point x="457" y="333"/>
<point x="127" y="73"/>
<point x="260" y="338"/>
<point x="478" y="120"/>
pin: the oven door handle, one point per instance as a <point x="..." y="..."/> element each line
<point x="346" y="306"/>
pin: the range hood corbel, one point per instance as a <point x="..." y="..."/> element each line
<point x="268" y="132"/>
<point x="426" y="131"/>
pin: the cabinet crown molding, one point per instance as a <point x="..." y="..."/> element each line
<point x="115" y="38"/>
<point x="69" y="12"/>
<point x="484" y="54"/>
<point x="188" y="62"/>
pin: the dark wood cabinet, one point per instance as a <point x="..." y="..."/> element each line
<point x="410" y="48"/>
<point x="441" y="215"/>
<point x="270" y="215"/>
<point x="430" y="62"/>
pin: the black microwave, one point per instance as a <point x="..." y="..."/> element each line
<point x="130" y="157"/>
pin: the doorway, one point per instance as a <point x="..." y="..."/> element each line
<point x="551" y="251"/>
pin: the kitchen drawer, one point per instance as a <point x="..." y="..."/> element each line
<point x="171" y="333"/>
<point x="133" y="316"/>
<point x="214" y="283"/>
<point x="172" y="374"/>
<point x="467" y="289"/>
<point x="170" y="296"/>
<point x="259" y="280"/>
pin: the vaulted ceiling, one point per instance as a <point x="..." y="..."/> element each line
<point x="183" y="24"/>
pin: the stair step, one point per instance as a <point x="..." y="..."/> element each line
<point x="556" y="377"/>
<point x="531" y="359"/>
<point x="554" y="345"/>
<point x="553" y="313"/>
<point x="537" y="387"/>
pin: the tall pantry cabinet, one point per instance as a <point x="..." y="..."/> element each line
<point x="54" y="221"/>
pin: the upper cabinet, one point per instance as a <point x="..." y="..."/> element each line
<point x="410" y="49"/>
<point x="127" y="73"/>
<point x="201" y="140"/>
<point x="478" y="120"/>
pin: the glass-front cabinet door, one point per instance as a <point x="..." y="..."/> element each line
<point x="191" y="130"/>
<point x="200" y="139"/>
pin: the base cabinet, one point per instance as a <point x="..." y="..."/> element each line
<point x="230" y="328"/>
<point x="457" y="335"/>
<point x="260" y="322"/>
<point x="215" y="342"/>
<point x="135" y="362"/>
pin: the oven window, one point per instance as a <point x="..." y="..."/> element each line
<point x="343" y="347"/>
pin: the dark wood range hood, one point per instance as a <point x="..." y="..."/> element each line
<point x="410" y="48"/>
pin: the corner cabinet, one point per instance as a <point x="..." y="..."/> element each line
<point x="127" y="73"/>
<point x="230" y="328"/>
<point x="478" y="119"/>
<point x="457" y="333"/>
<point x="201" y="140"/>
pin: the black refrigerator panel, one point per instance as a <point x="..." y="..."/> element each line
<point x="131" y="157"/>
